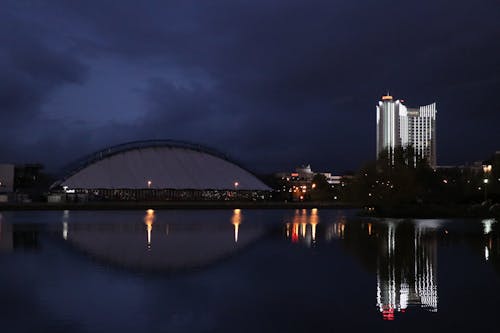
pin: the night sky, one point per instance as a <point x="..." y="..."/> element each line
<point x="274" y="84"/>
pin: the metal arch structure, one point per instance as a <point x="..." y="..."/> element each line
<point x="90" y="159"/>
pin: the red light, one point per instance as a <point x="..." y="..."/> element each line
<point x="388" y="314"/>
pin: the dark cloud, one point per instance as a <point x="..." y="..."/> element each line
<point x="32" y="69"/>
<point x="273" y="83"/>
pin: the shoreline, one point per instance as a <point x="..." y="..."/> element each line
<point x="174" y="205"/>
<point x="399" y="212"/>
<point x="432" y="211"/>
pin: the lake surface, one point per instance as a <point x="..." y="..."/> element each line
<point x="245" y="271"/>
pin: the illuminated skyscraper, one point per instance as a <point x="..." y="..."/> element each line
<point x="398" y="125"/>
<point x="388" y="124"/>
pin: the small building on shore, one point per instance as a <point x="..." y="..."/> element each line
<point x="299" y="184"/>
<point x="6" y="181"/>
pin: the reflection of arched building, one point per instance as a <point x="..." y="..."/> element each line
<point x="407" y="269"/>
<point x="155" y="245"/>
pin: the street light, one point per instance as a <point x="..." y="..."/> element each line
<point x="149" y="183"/>
<point x="487" y="170"/>
<point x="236" y="184"/>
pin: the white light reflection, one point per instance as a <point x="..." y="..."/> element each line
<point x="65" y="231"/>
<point x="65" y="224"/>
<point x="487" y="225"/>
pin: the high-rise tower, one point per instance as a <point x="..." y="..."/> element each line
<point x="389" y="124"/>
<point x="398" y="125"/>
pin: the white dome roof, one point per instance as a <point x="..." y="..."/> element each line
<point x="162" y="167"/>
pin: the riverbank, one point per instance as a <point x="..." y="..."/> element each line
<point x="398" y="211"/>
<point x="126" y="205"/>
<point x="433" y="211"/>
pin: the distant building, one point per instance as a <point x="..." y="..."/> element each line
<point x="398" y="125"/>
<point x="305" y="173"/>
<point x="27" y="175"/>
<point x="6" y="178"/>
<point x="299" y="183"/>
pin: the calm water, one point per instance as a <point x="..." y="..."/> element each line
<point x="245" y="271"/>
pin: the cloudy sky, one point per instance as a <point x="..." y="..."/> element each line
<point x="272" y="83"/>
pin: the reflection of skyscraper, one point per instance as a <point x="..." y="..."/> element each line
<point x="406" y="270"/>
<point x="426" y="269"/>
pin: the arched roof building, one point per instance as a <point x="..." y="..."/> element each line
<point x="160" y="164"/>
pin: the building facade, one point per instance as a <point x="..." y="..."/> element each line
<point x="398" y="125"/>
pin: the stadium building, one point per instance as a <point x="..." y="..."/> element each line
<point x="158" y="170"/>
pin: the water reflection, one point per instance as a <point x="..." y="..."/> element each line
<point x="183" y="245"/>
<point x="148" y="220"/>
<point x="18" y="237"/>
<point x="236" y="221"/>
<point x="303" y="226"/>
<point x="65" y="219"/>
<point x="406" y="268"/>
<point x="490" y="239"/>
<point x="402" y="253"/>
